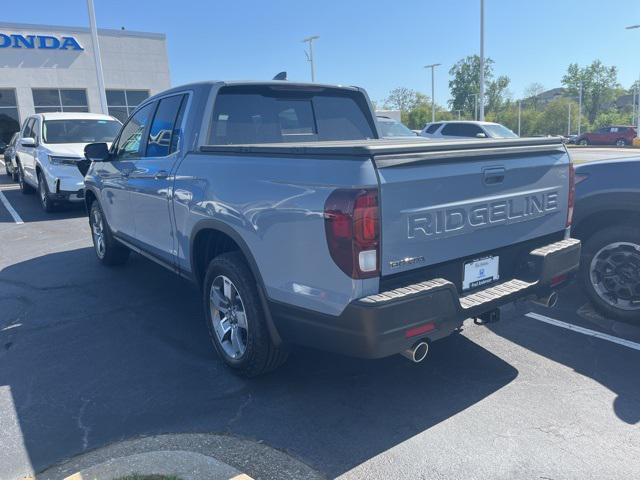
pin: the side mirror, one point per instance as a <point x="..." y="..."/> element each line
<point x="28" y="142"/>
<point x="97" y="152"/>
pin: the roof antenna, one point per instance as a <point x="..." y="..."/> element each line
<point x="281" y="76"/>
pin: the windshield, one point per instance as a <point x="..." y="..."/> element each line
<point x="79" y="131"/>
<point x="391" y="128"/>
<point x="499" y="131"/>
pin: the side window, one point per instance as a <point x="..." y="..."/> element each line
<point x="461" y="130"/>
<point x="603" y="130"/>
<point x="163" y="128"/>
<point x="614" y="129"/>
<point x="432" y="128"/>
<point x="28" y="128"/>
<point x="130" y="141"/>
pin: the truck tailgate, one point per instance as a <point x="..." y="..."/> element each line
<point x="458" y="202"/>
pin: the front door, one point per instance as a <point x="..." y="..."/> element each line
<point x="151" y="182"/>
<point x="27" y="155"/>
<point x="126" y="151"/>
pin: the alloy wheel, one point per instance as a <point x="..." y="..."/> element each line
<point x="228" y="317"/>
<point x="97" y="230"/>
<point x="615" y="275"/>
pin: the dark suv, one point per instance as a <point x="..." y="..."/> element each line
<point x="619" y="135"/>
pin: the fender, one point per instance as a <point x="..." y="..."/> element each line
<point x="212" y="224"/>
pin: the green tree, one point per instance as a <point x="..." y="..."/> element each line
<point x="599" y="84"/>
<point x="531" y="94"/>
<point x="612" y="117"/>
<point x="465" y="83"/>
<point x="555" y="117"/>
<point x="404" y="99"/>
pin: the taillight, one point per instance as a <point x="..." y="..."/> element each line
<point x="572" y="194"/>
<point x="352" y="228"/>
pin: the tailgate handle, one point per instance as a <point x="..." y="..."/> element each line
<point x="493" y="176"/>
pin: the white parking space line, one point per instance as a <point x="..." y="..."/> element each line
<point x="10" y="209"/>
<point x="584" y="331"/>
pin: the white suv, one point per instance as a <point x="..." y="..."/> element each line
<point x="466" y="129"/>
<point x="49" y="149"/>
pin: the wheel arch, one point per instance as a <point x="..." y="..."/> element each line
<point x="210" y="238"/>
<point x="605" y="218"/>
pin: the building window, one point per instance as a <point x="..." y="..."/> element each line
<point x="122" y="103"/>
<point x="9" y="119"/>
<point x="60" y="100"/>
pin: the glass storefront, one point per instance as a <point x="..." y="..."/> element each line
<point x="9" y="118"/>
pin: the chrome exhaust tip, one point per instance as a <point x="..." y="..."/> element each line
<point x="417" y="353"/>
<point x="549" y="301"/>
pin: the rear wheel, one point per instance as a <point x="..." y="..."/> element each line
<point x="107" y="248"/>
<point x="43" y="193"/>
<point x="235" y="318"/>
<point x="621" y="142"/>
<point x="25" y="188"/>
<point x="610" y="271"/>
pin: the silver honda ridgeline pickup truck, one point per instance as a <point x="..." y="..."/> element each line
<point x="302" y="226"/>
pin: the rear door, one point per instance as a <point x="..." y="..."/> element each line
<point x="150" y="183"/>
<point x="462" y="130"/>
<point x="457" y="206"/>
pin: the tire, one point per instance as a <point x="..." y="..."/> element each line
<point x="615" y="251"/>
<point x="25" y="188"/>
<point x="43" y="194"/>
<point x="6" y="167"/>
<point x="583" y="142"/>
<point x="107" y="248"/>
<point x="253" y="353"/>
<point x="15" y="175"/>
<point x="621" y="142"/>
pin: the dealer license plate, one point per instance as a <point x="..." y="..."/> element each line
<point x="480" y="272"/>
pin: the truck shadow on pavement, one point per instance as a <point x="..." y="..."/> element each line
<point x="613" y="366"/>
<point x="92" y="355"/>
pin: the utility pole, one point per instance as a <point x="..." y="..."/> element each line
<point x="519" y="115"/>
<point x="580" y="109"/>
<point x="482" y="60"/>
<point x="632" y="27"/>
<point x="569" y="122"/>
<point x="96" y="56"/>
<point x="309" y="55"/>
<point x="459" y="114"/>
<point x="433" y="90"/>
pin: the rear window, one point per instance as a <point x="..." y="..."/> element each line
<point x="245" y="115"/>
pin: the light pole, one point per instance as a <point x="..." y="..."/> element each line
<point x="459" y="114"/>
<point x="519" y="115"/>
<point x="482" y="60"/>
<point x="569" y="122"/>
<point x="475" y="105"/>
<point x="96" y="55"/>
<point x="309" y="55"/>
<point x="580" y="109"/>
<point x="433" y="90"/>
<point x="632" y="27"/>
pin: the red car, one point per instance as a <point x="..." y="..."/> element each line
<point x="619" y="135"/>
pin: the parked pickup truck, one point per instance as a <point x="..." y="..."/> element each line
<point x="302" y="226"/>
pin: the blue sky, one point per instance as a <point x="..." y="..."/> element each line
<point x="374" y="44"/>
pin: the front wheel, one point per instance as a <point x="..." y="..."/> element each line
<point x="107" y="248"/>
<point x="610" y="271"/>
<point x="235" y="318"/>
<point x="25" y="188"/>
<point x="43" y="193"/>
<point x="583" y="142"/>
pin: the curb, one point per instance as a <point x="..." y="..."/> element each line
<point x="187" y="456"/>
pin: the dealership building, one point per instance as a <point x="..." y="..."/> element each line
<point x="46" y="68"/>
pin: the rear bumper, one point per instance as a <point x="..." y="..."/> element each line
<point x="376" y="326"/>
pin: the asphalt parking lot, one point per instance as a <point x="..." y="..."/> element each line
<point x="91" y="356"/>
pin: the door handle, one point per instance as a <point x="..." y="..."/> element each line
<point x="493" y="176"/>
<point x="161" y="175"/>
